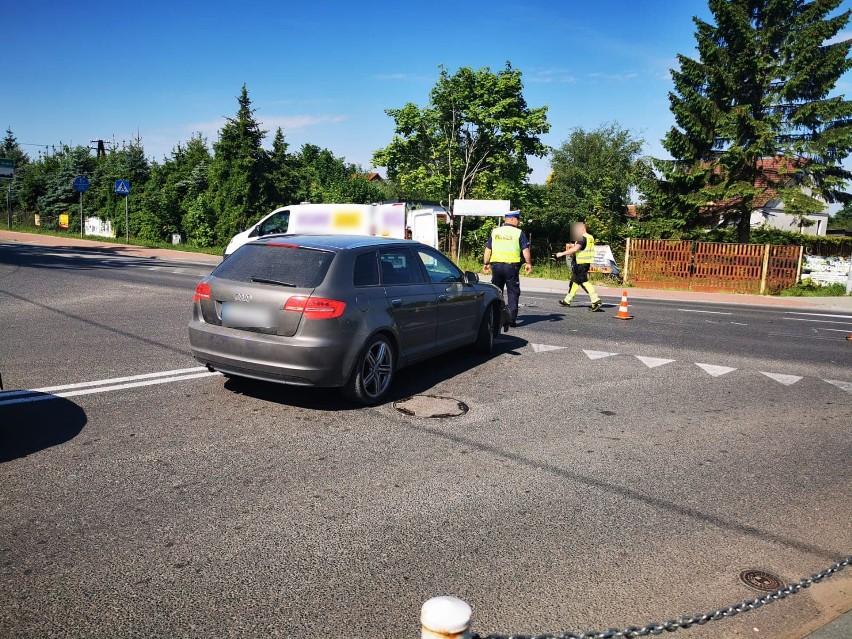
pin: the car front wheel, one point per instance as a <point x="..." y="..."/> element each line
<point x="373" y="374"/>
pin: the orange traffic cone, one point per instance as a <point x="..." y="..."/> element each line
<point x="623" y="314"/>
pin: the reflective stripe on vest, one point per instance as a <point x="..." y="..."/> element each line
<point x="587" y="255"/>
<point x="506" y="245"/>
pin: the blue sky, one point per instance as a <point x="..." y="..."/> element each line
<point x="325" y="71"/>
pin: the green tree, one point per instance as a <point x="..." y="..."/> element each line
<point x="842" y="220"/>
<point x="239" y="172"/>
<point x="759" y="89"/>
<point x="592" y="173"/>
<point x="59" y="195"/>
<point x="11" y="150"/>
<point x="472" y="139"/>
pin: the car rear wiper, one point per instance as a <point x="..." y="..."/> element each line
<point x="263" y="280"/>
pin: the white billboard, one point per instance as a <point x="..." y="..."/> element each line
<point x="484" y="208"/>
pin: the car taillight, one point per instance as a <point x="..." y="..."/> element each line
<point x="202" y="292"/>
<point x="315" y="307"/>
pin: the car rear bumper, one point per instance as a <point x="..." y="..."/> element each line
<point x="300" y="361"/>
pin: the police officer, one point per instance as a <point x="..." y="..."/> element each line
<point x="504" y="251"/>
<point x="582" y="254"/>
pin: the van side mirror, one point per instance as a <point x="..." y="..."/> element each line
<point x="471" y="278"/>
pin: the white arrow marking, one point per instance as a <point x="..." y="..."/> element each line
<point x="847" y="386"/>
<point x="544" y="348"/>
<point x="715" y="371"/>
<point x="653" y="362"/>
<point x="598" y="354"/>
<point x="787" y="380"/>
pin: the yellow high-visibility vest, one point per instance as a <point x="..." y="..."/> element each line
<point x="587" y="255"/>
<point x="506" y="245"/>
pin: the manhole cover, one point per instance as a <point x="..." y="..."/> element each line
<point x="430" y="406"/>
<point x="761" y="580"/>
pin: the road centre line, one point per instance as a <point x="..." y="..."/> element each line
<point x="848" y="317"/>
<point x="805" y="319"/>
<point x="690" y="310"/>
<point x="103" y="382"/>
<point x="105" y="389"/>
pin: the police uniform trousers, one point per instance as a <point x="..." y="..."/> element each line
<point x="508" y="275"/>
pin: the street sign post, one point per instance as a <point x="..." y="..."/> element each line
<point x="122" y="187"/>
<point x="7" y="170"/>
<point x="81" y="184"/>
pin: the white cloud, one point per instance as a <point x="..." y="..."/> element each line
<point x="551" y="76"/>
<point x="295" y="122"/>
<point x="842" y="36"/>
<point x="401" y="77"/>
<point x="210" y="129"/>
<point x="614" y="77"/>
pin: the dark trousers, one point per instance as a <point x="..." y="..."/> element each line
<point x="507" y="275"/>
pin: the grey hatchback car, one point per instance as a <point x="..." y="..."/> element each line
<point x="338" y="311"/>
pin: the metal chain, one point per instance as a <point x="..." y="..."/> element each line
<point x="684" y="622"/>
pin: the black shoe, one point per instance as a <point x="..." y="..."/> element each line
<point x="564" y="303"/>
<point x="596" y="306"/>
<point x="513" y="324"/>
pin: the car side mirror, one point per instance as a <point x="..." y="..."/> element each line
<point x="471" y="278"/>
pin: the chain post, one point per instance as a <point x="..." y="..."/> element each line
<point x="444" y="618"/>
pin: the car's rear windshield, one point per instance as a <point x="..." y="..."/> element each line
<point x="275" y="263"/>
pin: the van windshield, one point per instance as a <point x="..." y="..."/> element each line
<point x="289" y="265"/>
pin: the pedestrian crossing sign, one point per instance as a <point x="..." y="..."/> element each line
<point x="122" y="187"/>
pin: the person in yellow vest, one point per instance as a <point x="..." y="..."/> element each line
<point x="582" y="254"/>
<point x="505" y="250"/>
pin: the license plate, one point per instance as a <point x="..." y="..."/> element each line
<point x="238" y="315"/>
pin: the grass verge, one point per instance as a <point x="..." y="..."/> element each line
<point x="188" y="247"/>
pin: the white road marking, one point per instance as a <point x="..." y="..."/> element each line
<point x="787" y="380"/>
<point x="836" y="330"/>
<point x="714" y="370"/>
<point x="104" y="382"/>
<point x="847" y="386"/>
<point x="544" y="348"/>
<point x="849" y="317"/>
<point x="739" y="323"/>
<point x="803" y="319"/>
<point x="103" y="389"/>
<point x="690" y="310"/>
<point x="598" y="354"/>
<point x="653" y="362"/>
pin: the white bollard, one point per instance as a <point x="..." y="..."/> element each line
<point x="849" y="277"/>
<point x="444" y="618"/>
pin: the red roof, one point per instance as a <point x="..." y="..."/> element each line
<point x="774" y="171"/>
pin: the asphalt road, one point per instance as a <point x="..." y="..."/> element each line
<point x="585" y="488"/>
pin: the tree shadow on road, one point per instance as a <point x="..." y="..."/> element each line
<point x="32" y="422"/>
<point x="414" y="380"/>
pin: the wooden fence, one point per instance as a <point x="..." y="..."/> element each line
<point x="711" y="266"/>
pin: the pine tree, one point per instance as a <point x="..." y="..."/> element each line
<point x="283" y="176"/>
<point x="759" y="90"/>
<point x="11" y="150"/>
<point x="239" y="172"/>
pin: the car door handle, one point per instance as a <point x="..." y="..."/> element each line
<point x="396" y="303"/>
<point x="443" y="298"/>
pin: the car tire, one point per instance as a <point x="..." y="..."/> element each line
<point x="485" y="336"/>
<point x="374" y="371"/>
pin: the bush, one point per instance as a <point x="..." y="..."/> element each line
<point x="809" y="288"/>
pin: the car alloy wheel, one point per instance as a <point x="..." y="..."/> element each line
<point x="377" y="369"/>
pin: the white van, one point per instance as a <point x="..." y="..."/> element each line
<point x="384" y="220"/>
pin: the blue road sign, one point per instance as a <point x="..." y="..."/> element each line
<point x="81" y="184"/>
<point x="122" y="187"/>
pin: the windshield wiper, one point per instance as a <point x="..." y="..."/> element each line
<point x="263" y="280"/>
